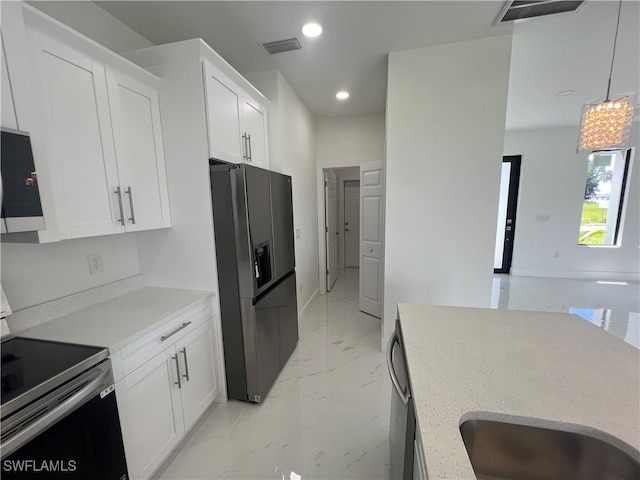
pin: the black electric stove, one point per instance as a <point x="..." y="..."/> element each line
<point x="32" y="367"/>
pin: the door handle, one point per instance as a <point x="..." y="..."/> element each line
<point x="175" y="357"/>
<point x="184" y="325"/>
<point x="250" y="154"/>
<point x="394" y="379"/>
<point x="118" y="191"/>
<point x="133" y="216"/>
<point x="186" y="364"/>
<point x="244" y="147"/>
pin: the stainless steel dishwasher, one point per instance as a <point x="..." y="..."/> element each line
<point x="403" y="423"/>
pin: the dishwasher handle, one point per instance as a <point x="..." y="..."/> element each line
<point x="394" y="379"/>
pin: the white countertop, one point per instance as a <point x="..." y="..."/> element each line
<point x="553" y="369"/>
<point x="120" y="320"/>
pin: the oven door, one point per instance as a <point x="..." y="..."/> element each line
<point x="71" y="433"/>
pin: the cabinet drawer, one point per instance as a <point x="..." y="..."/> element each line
<point x="145" y="348"/>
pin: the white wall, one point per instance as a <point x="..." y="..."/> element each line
<point x="292" y="152"/>
<point x="349" y="141"/>
<point x="33" y="274"/>
<point x="446" y="108"/>
<point x="552" y="182"/>
<point x="92" y="21"/>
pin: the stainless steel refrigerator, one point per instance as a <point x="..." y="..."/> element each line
<point x="253" y="224"/>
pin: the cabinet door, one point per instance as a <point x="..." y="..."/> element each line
<point x="199" y="380"/>
<point x="255" y="126"/>
<point x="223" y="117"/>
<point x="150" y="410"/>
<point x="79" y="139"/>
<point x="139" y="150"/>
<point x="8" y="110"/>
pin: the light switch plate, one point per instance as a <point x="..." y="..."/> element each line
<point x="95" y="263"/>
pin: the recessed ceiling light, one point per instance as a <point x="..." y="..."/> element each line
<point x="312" y="29"/>
<point x="342" y="95"/>
<point x="564" y="93"/>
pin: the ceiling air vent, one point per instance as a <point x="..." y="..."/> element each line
<point x="519" y="10"/>
<point x="280" y="46"/>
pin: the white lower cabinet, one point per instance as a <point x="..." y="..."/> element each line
<point x="161" y="399"/>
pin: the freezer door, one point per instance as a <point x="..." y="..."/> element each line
<point x="287" y="317"/>
<point x="262" y="350"/>
<point x="282" y="211"/>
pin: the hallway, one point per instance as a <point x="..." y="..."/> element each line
<point x="327" y="416"/>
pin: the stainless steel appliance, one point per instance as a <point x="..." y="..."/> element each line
<point x="21" y="207"/>
<point x="253" y="223"/>
<point x="407" y="460"/>
<point x="59" y="412"/>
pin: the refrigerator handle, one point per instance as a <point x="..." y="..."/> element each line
<point x="394" y="379"/>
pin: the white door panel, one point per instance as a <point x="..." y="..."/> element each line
<point x="352" y="224"/>
<point x="371" y="237"/>
<point x="331" y="227"/>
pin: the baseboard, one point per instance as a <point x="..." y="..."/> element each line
<point x="578" y="274"/>
<point x="315" y="295"/>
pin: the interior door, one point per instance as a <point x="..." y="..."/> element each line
<point x="331" y="226"/>
<point x="506" y="226"/>
<point x="351" y="223"/>
<point x="371" y="236"/>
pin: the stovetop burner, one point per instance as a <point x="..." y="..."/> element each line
<point x="32" y="367"/>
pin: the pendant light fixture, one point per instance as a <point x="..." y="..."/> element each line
<point x="606" y="125"/>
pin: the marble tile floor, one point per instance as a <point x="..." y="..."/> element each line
<point x="327" y="415"/>
<point x="613" y="306"/>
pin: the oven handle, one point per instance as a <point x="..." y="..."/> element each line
<point x="94" y="387"/>
<point x="404" y="396"/>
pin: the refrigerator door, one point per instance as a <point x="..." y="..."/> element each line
<point x="262" y="351"/>
<point x="287" y="317"/>
<point x="282" y="208"/>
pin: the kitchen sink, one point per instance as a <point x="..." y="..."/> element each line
<point x="501" y="450"/>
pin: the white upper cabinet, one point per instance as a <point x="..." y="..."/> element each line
<point x="97" y="137"/>
<point x="78" y="137"/>
<point x="139" y="152"/>
<point x="223" y="117"/>
<point x="255" y="131"/>
<point x="8" y="110"/>
<point x="236" y="122"/>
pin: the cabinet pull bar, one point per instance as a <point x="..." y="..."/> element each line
<point x="186" y="364"/>
<point x="133" y="216"/>
<point x="250" y="154"/>
<point x="244" y="147"/>
<point x="118" y="192"/>
<point x="175" y="357"/>
<point x="184" y="325"/>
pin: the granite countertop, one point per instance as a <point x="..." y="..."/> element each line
<point x="547" y="369"/>
<point x="120" y="320"/>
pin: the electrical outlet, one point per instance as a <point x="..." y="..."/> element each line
<point x="297" y="233"/>
<point x="556" y="254"/>
<point x="95" y="263"/>
<point x="543" y="218"/>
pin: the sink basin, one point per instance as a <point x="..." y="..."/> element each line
<point x="501" y="450"/>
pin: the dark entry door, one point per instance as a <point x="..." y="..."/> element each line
<point x="511" y="174"/>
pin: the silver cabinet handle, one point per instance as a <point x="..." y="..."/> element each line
<point x="245" y="157"/>
<point x="175" y="357"/>
<point x="133" y="217"/>
<point x="394" y="379"/>
<point x="186" y="364"/>
<point x="118" y="191"/>
<point x="184" y="325"/>
<point x="250" y="154"/>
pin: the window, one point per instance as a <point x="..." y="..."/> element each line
<point x="604" y="193"/>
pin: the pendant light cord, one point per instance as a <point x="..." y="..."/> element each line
<point x="613" y="56"/>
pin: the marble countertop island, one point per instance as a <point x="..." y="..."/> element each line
<point x="547" y="369"/>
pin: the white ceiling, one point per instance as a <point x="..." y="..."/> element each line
<point x="550" y="54"/>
